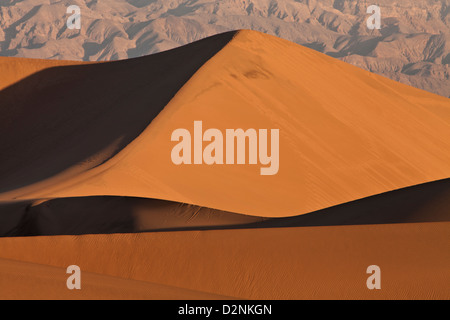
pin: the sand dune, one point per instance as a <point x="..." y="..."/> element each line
<point x="80" y="116"/>
<point x="103" y="215"/>
<point x="86" y="149"/>
<point x="285" y="263"/>
<point x="15" y="69"/>
<point x="345" y="133"/>
<point x="100" y="215"/>
<point x="428" y="202"/>
<point x="19" y="281"/>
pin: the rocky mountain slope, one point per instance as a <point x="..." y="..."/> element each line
<point x="412" y="46"/>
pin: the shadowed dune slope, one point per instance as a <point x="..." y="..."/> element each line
<point x="58" y="117"/>
<point x="276" y="263"/>
<point x="345" y="134"/>
<point x="93" y="215"/>
<point x="15" y="69"/>
<point x="429" y="202"/>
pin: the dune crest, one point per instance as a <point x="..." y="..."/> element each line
<point x="412" y="45"/>
<point x="345" y="134"/>
<point x="428" y="202"/>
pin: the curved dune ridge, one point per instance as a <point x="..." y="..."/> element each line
<point x="85" y="169"/>
<point x="69" y="118"/>
<point x="428" y="202"/>
<point x="104" y="129"/>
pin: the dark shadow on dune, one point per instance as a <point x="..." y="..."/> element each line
<point x="72" y="216"/>
<point x="428" y="202"/>
<point x="66" y="116"/>
<point x="105" y="215"/>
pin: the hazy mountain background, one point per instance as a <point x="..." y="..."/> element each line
<point x="412" y="46"/>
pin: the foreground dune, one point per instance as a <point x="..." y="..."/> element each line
<point x="21" y="280"/>
<point x="345" y="133"/>
<point x="286" y="263"/>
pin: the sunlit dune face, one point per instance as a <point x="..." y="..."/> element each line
<point x="344" y="134"/>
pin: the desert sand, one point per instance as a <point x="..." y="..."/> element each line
<point x="365" y="136"/>
<point x="286" y="263"/>
<point x="20" y="280"/>
<point x="106" y="215"/>
<point x="364" y="168"/>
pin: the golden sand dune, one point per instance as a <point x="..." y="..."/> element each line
<point x="285" y="263"/>
<point x="67" y="119"/>
<point x="103" y="215"/>
<point x="363" y="177"/>
<point x="345" y="133"/>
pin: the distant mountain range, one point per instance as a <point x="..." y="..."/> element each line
<point x="412" y="46"/>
